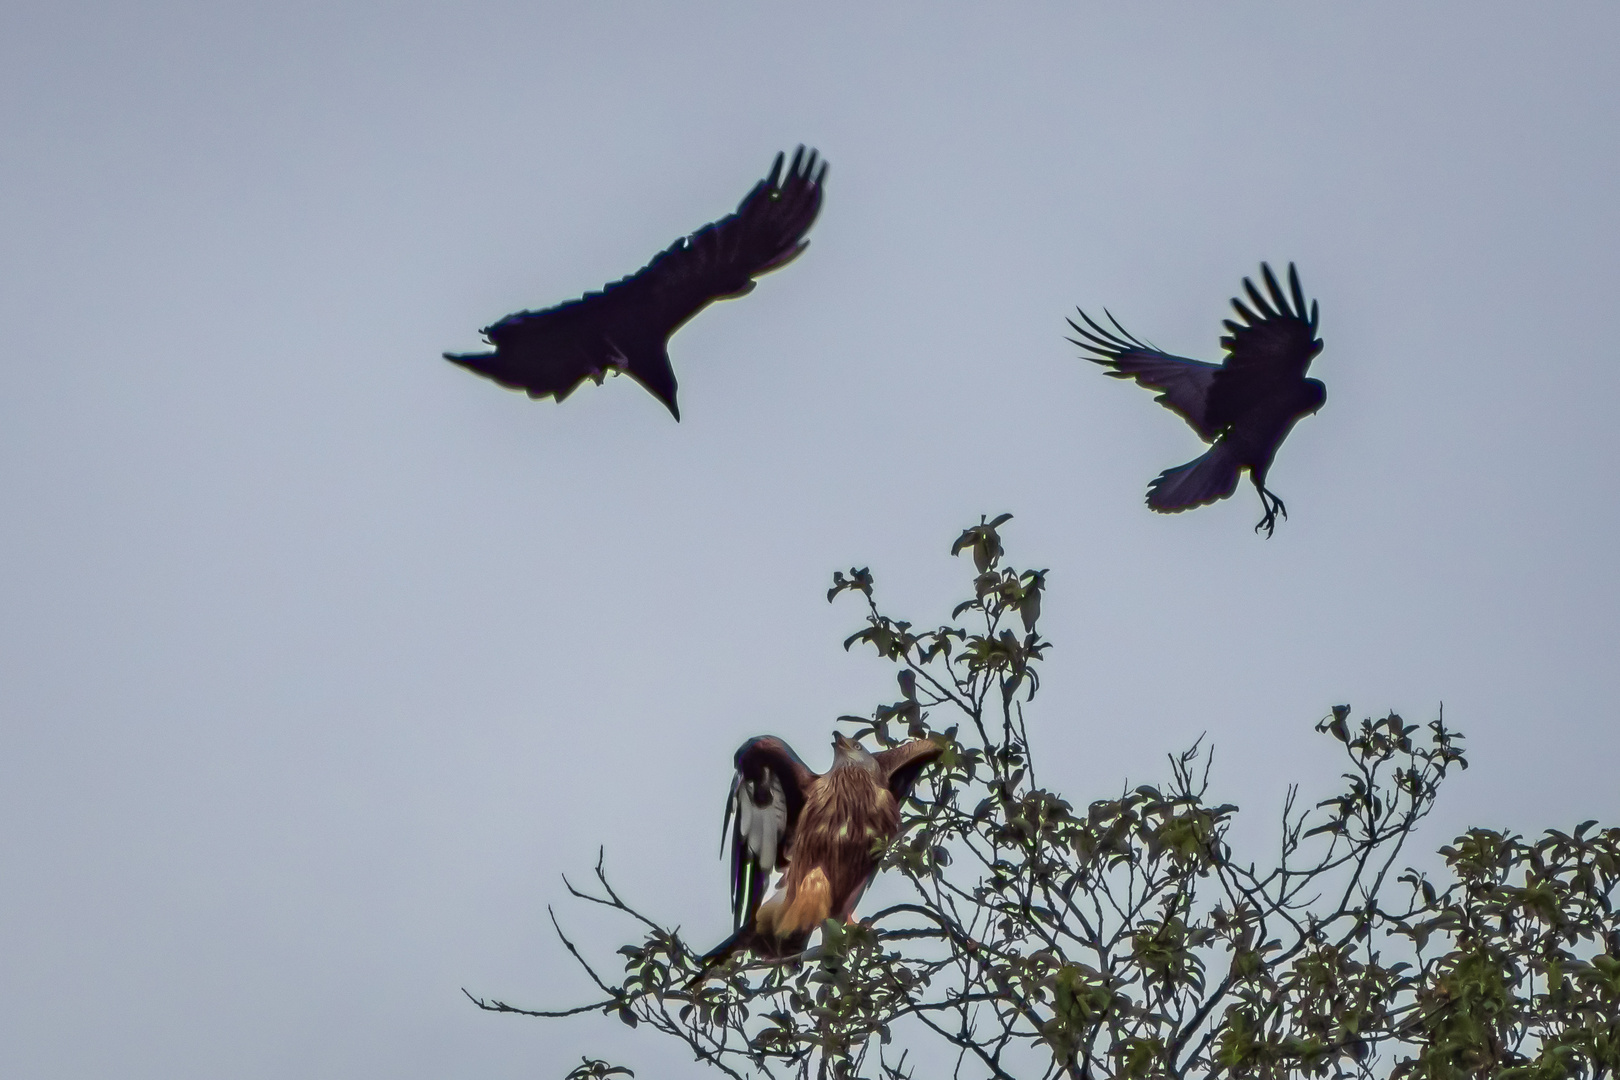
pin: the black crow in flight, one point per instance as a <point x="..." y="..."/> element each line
<point x="627" y="325"/>
<point x="1245" y="406"/>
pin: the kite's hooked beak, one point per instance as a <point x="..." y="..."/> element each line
<point x="846" y="747"/>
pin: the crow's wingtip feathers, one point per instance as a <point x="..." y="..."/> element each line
<point x="808" y="167"/>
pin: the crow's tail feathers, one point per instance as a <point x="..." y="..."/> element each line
<point x="1203" y="480"/>
<point x="501" y="368"/>
<point x="483" y="362"/>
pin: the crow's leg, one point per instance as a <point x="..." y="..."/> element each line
<point x="1273" y="506"/>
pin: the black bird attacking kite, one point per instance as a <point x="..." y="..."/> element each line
<point x="626" y="327"/>
<point x="825" y="833"/>
<point x="1245" y="406"/>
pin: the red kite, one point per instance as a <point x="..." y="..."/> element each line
<point x="1245" y="406"/>
<point x="627" y="326"/>
<point x="827" y="832"/>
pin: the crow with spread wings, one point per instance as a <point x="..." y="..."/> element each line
<point x="1245" y="406"/>
<point x="626" y="327"/>
<point x="825" y="832"/>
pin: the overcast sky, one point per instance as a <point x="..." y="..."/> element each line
<point x="322" y="660"/>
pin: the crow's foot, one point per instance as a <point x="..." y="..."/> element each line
<point x="1274" y="507"/>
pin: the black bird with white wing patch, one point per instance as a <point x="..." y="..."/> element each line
<point x="1245" y="406"/>
<point x="626" y="327"/>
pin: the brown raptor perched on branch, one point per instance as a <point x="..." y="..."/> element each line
<point x="825" y="832"/>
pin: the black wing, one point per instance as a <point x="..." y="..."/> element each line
<point x="1185" y="383"/>
<point x="1274" y="345"/>
<point x="627" y="325"/>
<point x="766" y="797"/>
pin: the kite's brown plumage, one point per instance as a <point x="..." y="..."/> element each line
<point x="826" y="832"/>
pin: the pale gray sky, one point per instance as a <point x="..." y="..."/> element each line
<point x="322" y="659"/>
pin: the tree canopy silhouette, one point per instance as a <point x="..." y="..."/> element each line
<point x="1122" y="936"/>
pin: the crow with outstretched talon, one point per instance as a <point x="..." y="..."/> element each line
<point x="1245" y="406"/>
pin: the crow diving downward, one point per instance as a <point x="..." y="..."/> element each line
<point x="826" y="833"/>
<point x="1245" y="406"/>
<point x="626" y="327"/>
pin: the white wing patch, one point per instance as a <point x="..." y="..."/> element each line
<point x="762" y="826"/>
